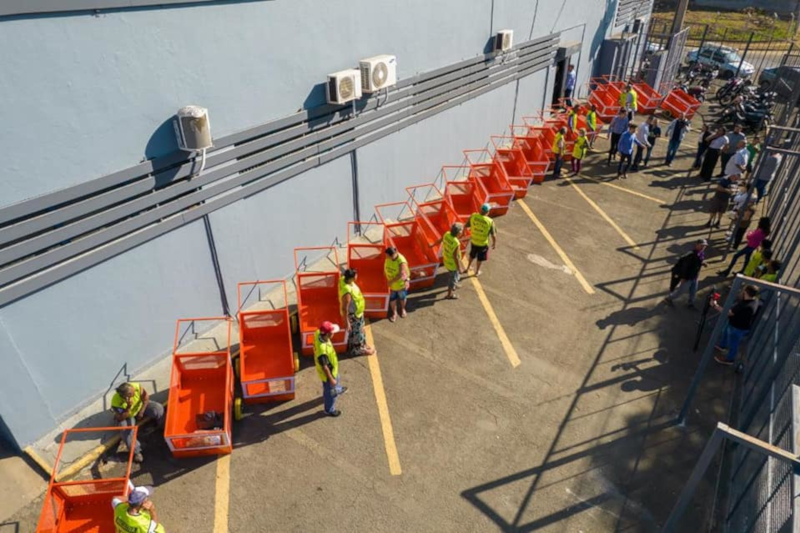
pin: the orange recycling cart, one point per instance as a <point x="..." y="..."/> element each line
<point x="649" y="98"/>
<point x="460" y="192"/>
<point x="679" y="101"/>
<point x="493" y="185"/>
<point x="405" y="232"/>
<point x="317" y="279"/>
<point x="437" y="213"/>
<point x="200" y="389"/>
<point x="266" y="363"/>
<point x="366" y="246"/>
<point x="83" y="506"/>
<point x="531" y="143"/>
<point x="508" y="151"/>
<point x="605" y="101"/>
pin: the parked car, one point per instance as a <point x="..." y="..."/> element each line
<point x="726" y="59"/>
<point x="782" y="80"/>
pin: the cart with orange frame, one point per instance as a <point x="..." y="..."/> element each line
<point x="83" y="506"/>
<point x="508" y="152"/>
<point x="460" y="192"/>
<point x="547" y="132"/>
<point x="531" y="142"/>
<point x="317" y="279"/>
<point x="606" y="103"/>
<point x="648" y="98"/>
<point x="366" y="246"/>
<point x="679" y="101"/>
<point x="266" y="364"/>
<point x="493" y="185"/>
<point x="200" y="389"/>
<point x="439" y="216"/>
<point x="405" y="232"/>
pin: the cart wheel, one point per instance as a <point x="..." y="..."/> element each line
<point x="296" y="363"/>
<point x="237" y="409"/>
<point x="293" y="323"/>
<point x="236" y="369"/>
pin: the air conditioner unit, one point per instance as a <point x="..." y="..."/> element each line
<point x="343" y="86"/>
<point x="378" y="73"/>
<point x="503" y="41"/>
<point x="193" y="129"/>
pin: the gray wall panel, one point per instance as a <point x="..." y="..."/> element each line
<point x="76" y="336"/>
<point x="255" y="237"/>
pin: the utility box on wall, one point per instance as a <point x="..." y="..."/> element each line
<point x="617" y="55"/>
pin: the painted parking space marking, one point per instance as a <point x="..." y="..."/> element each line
<point x="605" y="216"/>
<point x="222" y="494"/>
<point x="383" y="406"/>
<point x="625" y="189"/>
<point x="511" y="352"/>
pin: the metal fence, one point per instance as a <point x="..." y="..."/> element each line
<point x="761" y="492"/>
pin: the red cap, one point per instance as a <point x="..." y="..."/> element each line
<point x="326" y="328"/>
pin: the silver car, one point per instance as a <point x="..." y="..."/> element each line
<point x="726" y="59"/>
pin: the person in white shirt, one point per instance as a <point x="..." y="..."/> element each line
<point x="737" y="164"/>
<point x="716" y="144"/>
<point x="642" y="132"/>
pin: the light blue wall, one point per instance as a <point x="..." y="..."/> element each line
<point x="87" y="95"/>
<point x="63" y="346"/>
<point x="256" y="237"/>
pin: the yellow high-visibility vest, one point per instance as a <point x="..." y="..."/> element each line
<point x="481" y="226"/>
<point x="557" y="143"/>
<point x="325" y="348"/>
<point x="355" y="293"/>
<point x="391" y="268"/>
<point x="450" y="245"/>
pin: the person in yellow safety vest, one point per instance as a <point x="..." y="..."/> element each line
<point x="352" y="305"/>
<point x="398" y="275"/>
<point x="559" y="146"/>
<point x="451" y="258"/>
<point x="628" y="101"/>
<point x="130" y="404"/>
<point x="483" y="229"/>
<point x="579" y="151"/>
<point x="572" y="119"/>
<point x="138" y="514"/>
<point x="591" y="121"/>
<point x="327" y="364"/>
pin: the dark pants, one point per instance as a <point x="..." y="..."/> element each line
<point x="737" y="239"/>
<point x="612" y="151"/>
<point x="568" y="96"/>
<point x="624" y="160"/>
<point x="557" y="166"/>
<point x="674" y="281"/>
<point x="724" y="158"/>
<point x="639" y="155"/>
<point x="709" y="162"/>
<point x="649" y="153"/>
<point x="761" y="188"/>
<point x="746" y="252"/>
<point x="698" y="160"/>
<point x="672" y="149"/>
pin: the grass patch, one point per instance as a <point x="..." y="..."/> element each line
<point x="733" y="26"/>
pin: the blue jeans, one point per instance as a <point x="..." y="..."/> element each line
<point x="761" y="188"/>
<point x="746" y="252"/>
<point x="730" y="339"/>
<point x="692" y="283"/>
<point x="330" y="393"/>
<point x="672" y="149"/>
<point x="557" y="166"/>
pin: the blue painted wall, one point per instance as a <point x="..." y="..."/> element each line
<point x="87" y="95"/>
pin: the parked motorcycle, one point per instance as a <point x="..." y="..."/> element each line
<point x="730" y="91"/>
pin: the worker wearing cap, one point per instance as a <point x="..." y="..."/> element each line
<point x="559" y="147"/>
<point x="451" y="258"/>
<point x="352" y="305"/>
<point x="398" y="275"/>
<point x="483" y="229"/>
<point x="138" y="514"/>
<point x="327" y="364"/>
<point x="130" y="404"/>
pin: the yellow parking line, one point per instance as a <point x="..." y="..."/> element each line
<point x="222" y="498"/>
<point x="383" y="406"/>
<point x="624" y="189"/>
<point x="603" y="214"/>
<point x="511" y="353"/>
<point x="585" y="284"/>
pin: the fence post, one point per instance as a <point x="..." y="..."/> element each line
<point x="744" y="55"/>
<point x="703" y="39"/>
<point x="709" y="351"/>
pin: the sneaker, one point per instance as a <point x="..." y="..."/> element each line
<point x="690" y="305"/>
<point x="138" y="458"/>
<point x="721" y="360"/>
<point x="334" y="413"/>
<point x="669" y="301"/>
<point x="717" y="225"/>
